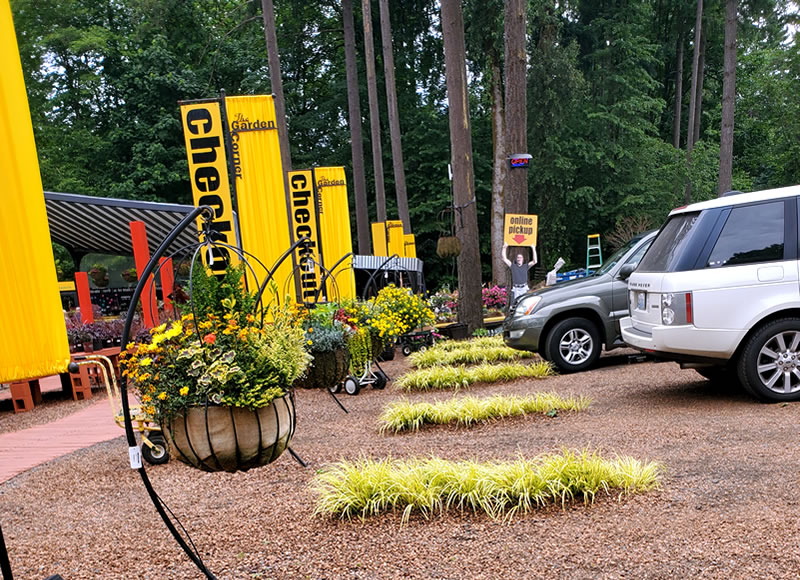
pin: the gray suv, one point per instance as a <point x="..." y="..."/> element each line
<point x="569" y="323"/>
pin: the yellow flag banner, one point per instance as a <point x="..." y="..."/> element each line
<point x="304" y="225"/>
<point x="208" y="171"/>
<point x="259" y="186"/>
<point x="520" y="229"/>
<point x="379" y="247"/>
<point x="33" y="342"/>
<point x="395" y="239"/>
<point x="336" y="237"/>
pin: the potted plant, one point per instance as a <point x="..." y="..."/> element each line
<point x="326" y="336"/>
<point x="81" y="338"/>
<point x="99" y="275"/>
<point x="220" y="385"/>
<point x="396" y="311"/>
<point x="129" y="275"/>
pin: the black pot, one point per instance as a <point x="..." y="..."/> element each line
<point x="108" y="342"/>
<point x="457" y="331"/>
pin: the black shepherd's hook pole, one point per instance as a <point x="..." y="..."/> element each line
<point x="5" y="564"/>
<point x="372" y="277"/>
<point x="126" y="412"/>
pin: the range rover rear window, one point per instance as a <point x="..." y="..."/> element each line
<point x="668" y="251"/>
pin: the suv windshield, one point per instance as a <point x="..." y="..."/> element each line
<point x="667" y="248"/>
<point x="618" y="255"/>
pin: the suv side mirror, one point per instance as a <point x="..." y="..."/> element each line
<point x="626" y="271"/>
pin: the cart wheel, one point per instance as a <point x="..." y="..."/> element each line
<point x="157" y="454"/>
<point x="423" y="348"/>
<point x="352" y="386"/>
<point x="380" y="380"/>
<point x="406" y="350"/>
<point x="335" y="388"/>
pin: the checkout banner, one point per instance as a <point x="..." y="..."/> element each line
<point x="258" y="182"/>
<point x="204" y="134"/>
<point x="336" y="238"/>
<point x="304" y="223"/>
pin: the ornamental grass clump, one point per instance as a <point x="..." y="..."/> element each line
<point x="499" y="489"/>
<point x="486" y="354"/>
<point x="448" y="377"/>
<point x="466" y="411"/>
<point x="473" y="343"/>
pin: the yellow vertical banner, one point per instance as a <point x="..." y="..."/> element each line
<point x="379" y="245"/>
<point x="33" y="342"/>
<point x="259" y="186"/>
<point x="336" y="237"/>
<point x="410" y="246"/>
<point x="204" y="135"/>
<point x="395" y="240"/>
<point x="303" y="219"/>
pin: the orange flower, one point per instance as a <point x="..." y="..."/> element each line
<point x="210" y="338"/>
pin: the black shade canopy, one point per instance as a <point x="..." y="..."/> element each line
<point x="85" y="224"/>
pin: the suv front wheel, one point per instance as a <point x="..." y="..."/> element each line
<point x="573" y="345"/>
<point x="769" y="367"/>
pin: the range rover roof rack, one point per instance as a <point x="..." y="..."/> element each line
<point x="732" y="192"/>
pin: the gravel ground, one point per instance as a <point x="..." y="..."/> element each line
<point x="727" y="507"/>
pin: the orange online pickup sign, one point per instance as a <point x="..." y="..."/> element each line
<point x="520" y="229"/>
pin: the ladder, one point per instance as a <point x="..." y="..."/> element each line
<point x="594" y="255"/>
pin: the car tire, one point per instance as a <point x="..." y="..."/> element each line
<point x="769" y="367"/>
<point x="573" y="345"/>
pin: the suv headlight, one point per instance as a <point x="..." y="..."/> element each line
<point x="527" y="305"/>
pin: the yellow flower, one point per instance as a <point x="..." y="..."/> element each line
<point x="310" y="341"/>
<point x="310" y="329"/>
<point x="159" y="329"/>
<point x="184" y="391"/>
<point x="146" y="398"/>
<point x="145" y="362"/>
<point x="176" y="329"/>
<point x="162" y="395"/>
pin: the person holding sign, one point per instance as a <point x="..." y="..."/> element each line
<point x="520" y="231"/>
<point x="519" y="271"/>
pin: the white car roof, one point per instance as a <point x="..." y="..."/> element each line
<point x="739" y="199"/>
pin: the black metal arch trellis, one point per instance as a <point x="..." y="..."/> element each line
<point x="207" y="241"/>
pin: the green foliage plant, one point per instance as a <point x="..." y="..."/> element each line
<point x="448" y="377"/>
<point x="369" y="487"/>
<point x="360" y="347"/>
<point x="490" y="354"/>
<point x="211" y="293"/>
<point x="405" y="415"/>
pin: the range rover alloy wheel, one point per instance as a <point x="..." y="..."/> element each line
<point x="573" y="345"/>
<point x="769" y="367"/>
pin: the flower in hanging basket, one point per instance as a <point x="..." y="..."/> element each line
<point x="326" y="339"/>
<point x="129" y="275"/>
<point x="99" y="275"/>
<point x="220" y="386"/>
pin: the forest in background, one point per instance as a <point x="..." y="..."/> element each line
<point x="603" y="80"/>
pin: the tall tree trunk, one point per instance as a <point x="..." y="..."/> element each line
<point x="516" y="127"/>
<point x="676" y="122"/>
<point x="356" y="140"/>
<point x="698" y="99"/>
<point x="698" y="27"/>
<point x="268" y="13"/>
<point x="374" y="113"/>
<point x="469" y="261"/>
<point x="728" y="99"/>
<point x="394" y="117"/>
<point x="499" y="269"/>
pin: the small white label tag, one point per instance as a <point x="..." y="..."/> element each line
<point x="136" y="457"/>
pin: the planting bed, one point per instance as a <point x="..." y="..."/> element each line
<point x="727" y="506"/>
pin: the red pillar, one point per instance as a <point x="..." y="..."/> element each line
<point x="167" y="282"/>
<point x="141" y="255"/>
<point x="84" y="297"/>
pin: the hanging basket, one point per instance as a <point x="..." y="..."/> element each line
<point x="219" y="438"/>
<point x="448" y="247"/>
<point x="326" y="370"/>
